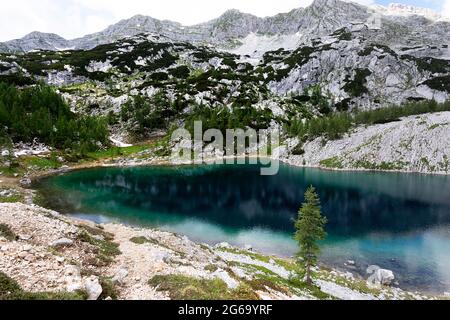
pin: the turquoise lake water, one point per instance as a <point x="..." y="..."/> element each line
<point x="395" y="220"/>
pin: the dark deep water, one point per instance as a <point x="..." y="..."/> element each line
<point x="397" y="221"/>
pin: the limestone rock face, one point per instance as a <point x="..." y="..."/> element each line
<point x="413" y="144"/>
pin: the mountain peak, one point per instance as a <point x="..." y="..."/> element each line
<point x="232" y="12"/>
<point x="40" y="35"/>
<point x="321" y="3"/>
<point x="322" y="17"/>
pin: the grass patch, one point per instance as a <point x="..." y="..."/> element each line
<point x="332" y="163"/>
<point x="11" y="199"/>
<point x="383" y="166"/>
<point x="7" y="233"/>
<point x="312" y="289"/>
<point x="11" y="290"/>
<point x="264" y="284"/>
<point x="140" y="240"/>
<point x="437" y="125"/>
<point x="264" y="279"/>
<point x="43" y="163"/>
<point x="107" y="249"/>
<point x="181" y="287"/>
<point x="253" y="255"/>
<point x="211" y="268"/>
<point x="109" y="289"/>
<point x="12" y="171"/>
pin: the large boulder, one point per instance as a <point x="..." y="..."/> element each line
<point x="93" y="288"/>
<point x="380" y="277"/>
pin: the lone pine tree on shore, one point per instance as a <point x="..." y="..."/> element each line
<point x="310" y="229"/>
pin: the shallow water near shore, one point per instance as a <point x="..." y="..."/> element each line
<point x="395" y="220"/>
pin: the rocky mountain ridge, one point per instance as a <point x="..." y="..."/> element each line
<point x="229" y="31"/>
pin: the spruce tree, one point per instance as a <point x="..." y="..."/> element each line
<point x="310" y="228"/>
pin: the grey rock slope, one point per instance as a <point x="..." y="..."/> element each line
<point x="412" y="144"/>
<point x="351" y="71"/>
<point x="230" y="29"/>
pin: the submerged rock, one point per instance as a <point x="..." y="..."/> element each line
<point x="351" y="262"/>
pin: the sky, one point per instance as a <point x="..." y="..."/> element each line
<point x="76" y="18"/>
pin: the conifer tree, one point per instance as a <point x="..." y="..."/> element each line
<point x="310" y="229"/>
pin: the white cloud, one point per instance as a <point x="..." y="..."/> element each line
<point x="446" y="9"/>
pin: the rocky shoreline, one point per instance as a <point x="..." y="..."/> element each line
<point x="49" y="252"/>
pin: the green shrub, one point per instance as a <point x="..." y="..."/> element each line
<point x="357" y="86"/>
<point x="109" y="289"/>
<point x="181" y="72"/>
<point x="7" y="233"/>
<point x="107" y="249"/>
<point x="181" y="287"/>
<point x="140" y="240"/>
<point x="298" y="150"/>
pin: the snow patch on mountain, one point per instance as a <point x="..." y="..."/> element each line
<point x="403" y="10"/>
<point x="255" y="45"/>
